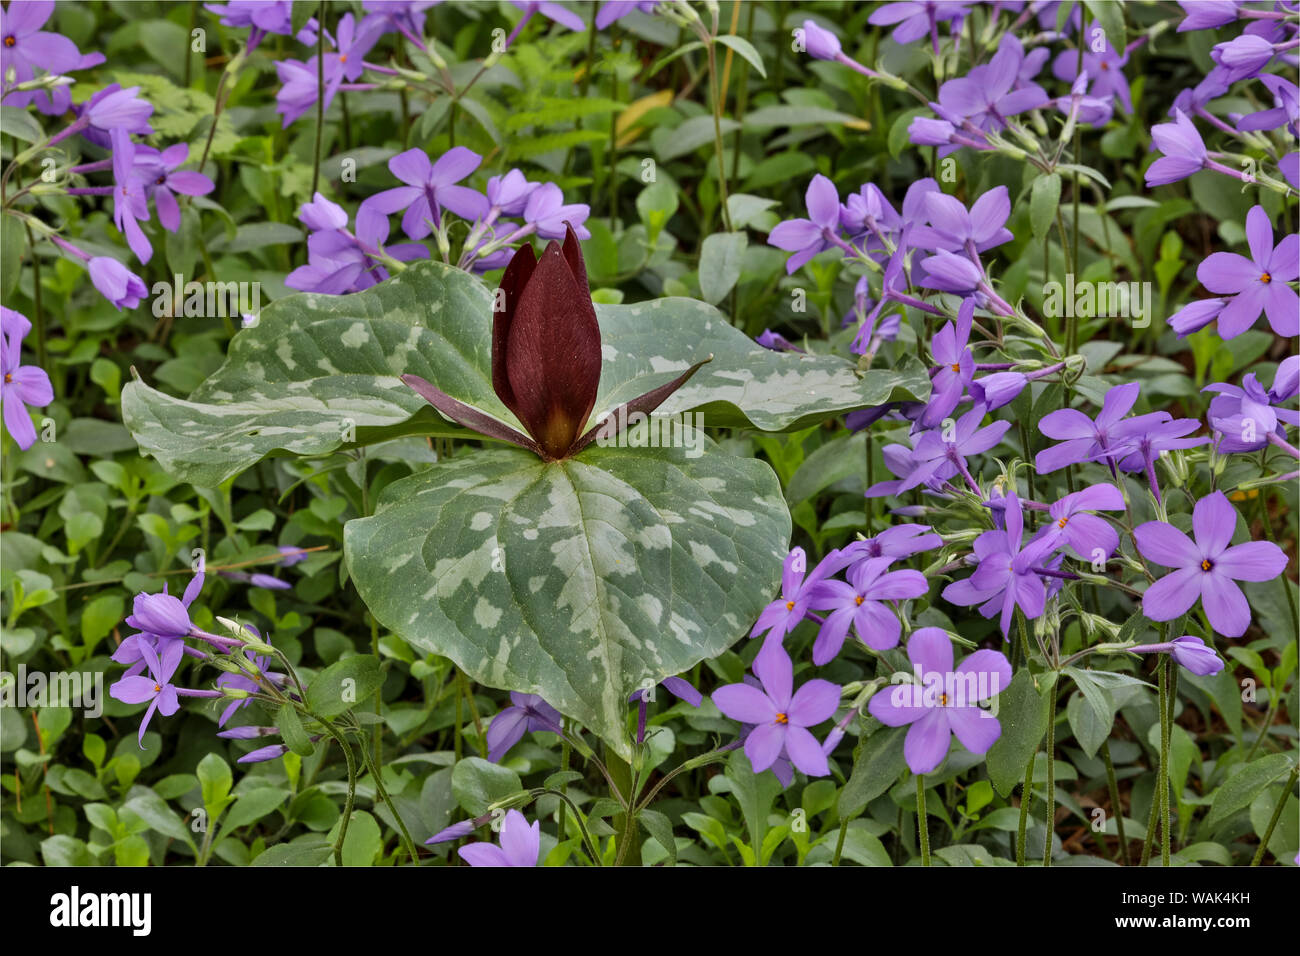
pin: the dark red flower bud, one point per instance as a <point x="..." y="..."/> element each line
<point x="546" y="356"/>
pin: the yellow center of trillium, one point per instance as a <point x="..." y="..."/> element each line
<point x="1061" y="523"/>
<point x="1266" y="278"/>
<point x="1206" y="565"/>
<point x="789" y="605"/>
<point x="782" y="719"/>
<point x="858" y="600"/>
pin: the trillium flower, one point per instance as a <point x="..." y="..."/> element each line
<point x="1207" y="568"/>
<point x="1188" y="651"/>
<point x="156" y="688"/>
<point x="781" y="715"/>
<point x="546" y="359"/>
<point x="943" y="701"/>
<point x="521" y="844"/>
<point x="1258" y="284"/>
<point x="527" y="714"/>
<point x="1084" y="533"/>
<point x="1006" y="576"/>
<point x="860" y="603"/>
<point x="20" y="385"/>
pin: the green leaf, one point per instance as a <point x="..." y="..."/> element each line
<point x="1044" y="197"/>
<point x="1022" y="711"/>
<point x="291" y="729"/>
<point x="153" y="810"/>
<point x="745" y="49"/>
<point x="20" y="125"/>
<point x="576" y="580"/>
<point x="344" y="683"/>
<point x="661" y="829"/>
<point x="1246" y="783"/>
<point x="317" y="367"/>
<point x="878" y="768"/>
<point x="755" y="792"/>
<point x="477" y="784"/>
<point x="1110" y="16"/>
<point x="770" y="117"/>
<point x="13" y="243"/>
<point x="721" y="257"/>
<point x="309" y="851"/>
<point x="215" y="780"/>
<point x="254" y="805"/>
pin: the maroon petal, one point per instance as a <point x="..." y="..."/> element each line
<point x="573" y="255"/>
<point x="469" y="416"/>
<point x="513" y="281"/>
<point x="552" y="353"/>
<point x="645" y="404"/>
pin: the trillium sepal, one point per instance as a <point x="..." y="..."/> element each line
<point x="546" y="359"/>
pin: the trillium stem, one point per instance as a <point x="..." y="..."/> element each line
<point x="1277" y="815"/>
<point x="922" y="822"/>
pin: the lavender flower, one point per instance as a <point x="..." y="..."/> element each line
<point x="781" y="715"/>
<point x="1258" y="284"/>
<point x="431" y="187"/>
<point x="942" y="447"/>
<point x="521" y="844"/>
<point x="1074" y="527"/>
<point x="156" y="688"/>
<point x="807" y="237"/>
<point x="20" y="385"/>
<point x="943" y="702"/>
<point x="1206" y="568"/>
<point x="548" y="213"/>
<point x="528" y="714"/>
<point x="1189" y="651"/>
<point x="163" y="614"/>
<point x="163" y="178"/>
<point x="860" y="603"/>
<point x="1245" y="415"/>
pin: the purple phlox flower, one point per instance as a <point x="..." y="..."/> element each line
<point x="20" y="385"/>
<point x="263" y="16"/>
<point x="949" y="272"/>
<point x="113" y="108"/>
<point x="918" y="18"/>
<point x="1082" y="438"/>
<point x="547" y="211"/>
<point x="116" y="283"/>
<point x="901" y="463"/>
<point x="1213" y="85"/>
<point x="867" y="213"/>
<point x="780" y="617"/>
<point x="781" y="715"/>
<point x="820" y="43"/>
<point x="1244" y="415"/>
<point x="611" y="11"/>
<point x="25" y="47"/>
<point x="678" y="687"/>
<point x="528" y="713"/>
<point x="941" y="447"/>
<point x="956" y="366"/>
<point x="403" y="16"/>
<point x="1005" y="577"/>
<point x="130" y="196"/>
<point x="807" y="237"/>
<point x="899" y="541"/>
<point x="521" y="842"/>
<point x="1183" y="149"/>
<point x="1195" y="316"/>
<point x="337" y="260"/>
<point x="1243" y="56"/>
<point x="943" y="702"/>
<point x="346" y="63"/>
<point x="1286" y="109"/>
<point x="1289" y="167"/>
<point x="998" y="389"/>
<point x="1085" y="534"/>
<point x="509" y="194"/>
<point x="1188" y="651"/>
<point x="163" y="614"/>
<point x="291" y="555"/>
<point x="247" y="732"/>
<point x="1258" y="284"/>
<point x="156" y="688"/>
<point x="163" y="178"/>
<point x="1207" y="14"/>
<point x="267" y="581"/>
<point x="457" y="830"/>
<point x="552" y="11"/>
<point x="1087" y="109"/>
<point x="952" y="228"/>
<point x="1106" y="68"/>
<point x="1207" y="568"/>
<point x="1146" y="438"/>
<point x="986" y="96"/>
<point x="776" y="342"/>
<point x="860" y="603"/>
